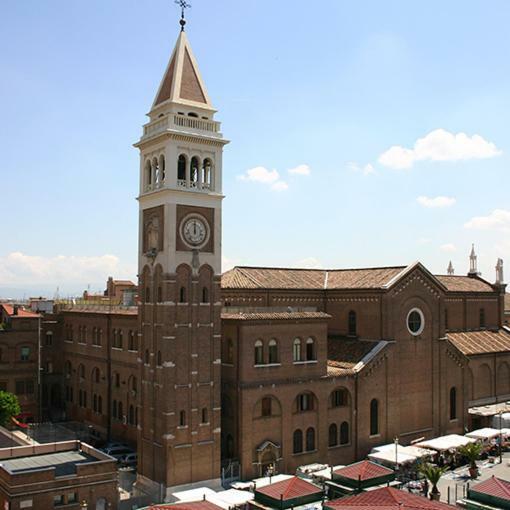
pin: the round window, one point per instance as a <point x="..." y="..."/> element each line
<point x="415" y="321"/>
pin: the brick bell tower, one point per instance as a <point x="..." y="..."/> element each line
<point x="179" y="263"/>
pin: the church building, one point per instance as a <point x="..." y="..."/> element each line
<point x="272" y="368"/>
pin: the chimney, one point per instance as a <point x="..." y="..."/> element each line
<point x="15" y="310"/>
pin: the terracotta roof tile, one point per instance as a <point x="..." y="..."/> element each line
<point x="386" y="498"/>
<point x="480" y="342"/>
<point x="365" y="469"/>
<point x="9" y="310"/>
<point x="495" y="487"/>
<point x="345" y="353"/>
<point x="291" y="488"/>
<point x="464" y="284"/>
<point x="310" y="279"/>
<point x="255" y="316"/>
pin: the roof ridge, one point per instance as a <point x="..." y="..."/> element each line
<point x="282" y="268"/>
<point x="503" y="484"/>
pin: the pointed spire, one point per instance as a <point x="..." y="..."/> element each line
<point x="450" y="269"/>
<point x="499" y="272"/>
<point x="473" y="263"/>
<point x="182" y="83"/>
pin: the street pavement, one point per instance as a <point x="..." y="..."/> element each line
<point x="459" y="480"/>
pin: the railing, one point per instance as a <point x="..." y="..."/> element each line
<point x="180" y="121"/>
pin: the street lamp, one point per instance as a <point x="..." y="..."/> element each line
<point x="84" y="505"/>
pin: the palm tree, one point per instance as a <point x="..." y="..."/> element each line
<point x="472" y="452"/>
<point x="433" y="474"/>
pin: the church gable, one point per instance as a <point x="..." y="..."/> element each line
<point x="417" y="274"/>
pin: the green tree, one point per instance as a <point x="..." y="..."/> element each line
<point x="433" y="474"/>
<point x="472" y="452"/>
<point x="9" y="406"/>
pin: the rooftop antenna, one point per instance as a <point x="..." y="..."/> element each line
<point x="183" y="5"/>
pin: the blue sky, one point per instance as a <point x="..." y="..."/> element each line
<point x="341" y="90"/>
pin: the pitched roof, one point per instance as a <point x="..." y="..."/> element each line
<point x="182" y="82"/>
<point x="193" y="505"/>
<point x="9" y="310"/>
<point x="464" y="283"/>
<point x="344" y="354"/>
<point x="495" y="487"/>
<point x="255" y="316"/>
<point x="386" y="498"/>
<point x="480" y="342"/>
<point x="363" y="470"/>
<point x="311" y="279"/>
<point x="291" y="488"/>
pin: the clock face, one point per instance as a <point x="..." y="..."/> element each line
<point x="194" y="231"/>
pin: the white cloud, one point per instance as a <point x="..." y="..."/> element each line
<point x="499" y="219"/>
<point x="263" y="175"/>
<point x="279" y="186"/>
<point x="435" y="202"/>
<point x="439" y="145"/>
<point x="448" y="247"/>
<point x="260" y="174"/>
<point x="300" y="170"/>
<point x="308" y="263"/>
<point x="423" y="240"/>
<point x="19" y="269"/>
<point x="365" y="170"/>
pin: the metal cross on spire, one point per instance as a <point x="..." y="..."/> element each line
<point x="183" y="5"/>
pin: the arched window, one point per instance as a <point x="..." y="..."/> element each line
<point x="49" y="338"/>
<point x="134" y="384"/>
<point x="114" y="409"/>
<point x="94" y="403"/>
<point x="482" y="317"/>
<point x="266" y="407"/>
<point x="120" y="341"/>
<point x="296" y="349"/>
<point x="120" y="413"/>
<point x="117" y="380"/>
<point x="259" y="353"/>
<point x="344" y="433"/>
<point x="305" y="402"/>
<point x="352" y="323"/>
<point x="207" y="173"/>
<point x="69" y="369"/>
<point x="332" y="435"/>
<point x="205" y="295"/>
<point x="310" y="439"/>
<point x="159" y="359"/>
<point x="100" y="404"/>
<point x="374" y="417"/>
<point x="182" y="295"/>
<point x="181" y="168"/>
<point x="148" y="175"/>
<point x="339" y="398"/>
<point x="194" y="171"/>
<point x="182" y="418"/>
<point x="205" y="415"/>
<point x="310" y="349"/>
<point x="162" y="174"/>
<point x="453" y="403"/>
<point x="273" y="351"/>
<point x="297" y="441"/>
<point x="160" y="295"/>
<point x="131" y="415"/>
<point x="132" y="341"/>
<point x="146" y="357"/>
<point x="95" y="375"/>
<point x="155" y="172"/>
<point x="81" y="372"/>
<point x="147" y="294"/>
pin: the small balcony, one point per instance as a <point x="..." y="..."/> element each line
<point x="182" y="123"/>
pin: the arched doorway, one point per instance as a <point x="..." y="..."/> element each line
<point x="268" y="457"/>
<point x="101" y="504"/>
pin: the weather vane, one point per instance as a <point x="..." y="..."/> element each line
<point x="183" y="5"/>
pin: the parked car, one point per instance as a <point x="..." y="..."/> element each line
<point x="118" y="450"/>
<point x="129" y="460"/>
